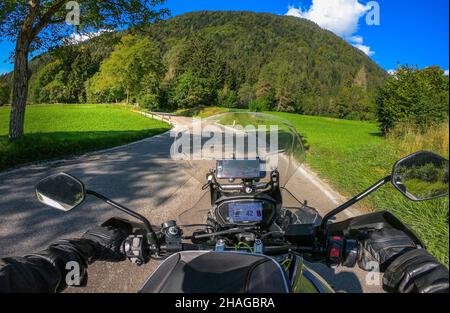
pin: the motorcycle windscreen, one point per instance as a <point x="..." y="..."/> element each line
<point x="239" y="136"/>
<point x="198" y="213"/>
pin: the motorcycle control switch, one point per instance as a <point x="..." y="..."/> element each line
<point x="133" y="247"/>
<point x="334" y="250"/>
<point x="172" y="234"/>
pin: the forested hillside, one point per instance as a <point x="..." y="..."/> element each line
<point x="233" y="59"/>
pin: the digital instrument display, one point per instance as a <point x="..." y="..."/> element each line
<point x="245" y="212"/>
<point x="243" y="169"/>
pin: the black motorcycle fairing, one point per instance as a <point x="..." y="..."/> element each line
<point x="217" y="272"/>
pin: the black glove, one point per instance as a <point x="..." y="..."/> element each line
<point x="47" y="270"/>
<point x="383" y="246"/>
<point x="107" y="240"/>
<point x="418" y="272"/>
<point x="406" y="267"/>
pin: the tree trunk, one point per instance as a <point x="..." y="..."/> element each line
<point x="20" y="89"/>
<point x="20" y="80"/>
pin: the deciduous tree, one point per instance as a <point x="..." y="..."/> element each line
<point x="413" y="96"/>
<point x="121" y="75"/>
<point x="40" y="24"/>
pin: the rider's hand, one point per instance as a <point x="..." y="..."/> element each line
<point x="383" y="247"/>
<point x="107" y="239"/>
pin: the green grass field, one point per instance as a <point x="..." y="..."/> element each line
<point x="352" y="155"/>
<point x="53" y="131"/>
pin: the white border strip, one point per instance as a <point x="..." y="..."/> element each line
<point x="332" y="195"/>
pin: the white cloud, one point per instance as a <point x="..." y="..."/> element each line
<point x="446" y="72"/>
<point x="392" y="72"/>
<point x="80" y="37"/>
<point x="356" y="39"/>
<point x="365" y="49"/>
<point x="339" y="16"/>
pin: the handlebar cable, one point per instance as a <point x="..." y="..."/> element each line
<point x="272" y="233"/>
<point x="286" y="264"/>
<point x="246" y="245"/>
<point x="197" y="225"/>
<point x="290" y="193"/>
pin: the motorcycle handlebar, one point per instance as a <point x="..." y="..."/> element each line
<point x="336" y="250"/>
<point x="268" y="250"/>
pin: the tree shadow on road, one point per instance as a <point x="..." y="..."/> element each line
<point x="44" y="146"/>
<point x="141" y="176"/>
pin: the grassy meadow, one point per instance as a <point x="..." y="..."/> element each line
<point x="53" y="131"/>
<point x="352" y="155"/>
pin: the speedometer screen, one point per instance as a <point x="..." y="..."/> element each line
<point x="245" y="212"/>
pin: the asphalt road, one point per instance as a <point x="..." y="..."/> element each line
<point x="143" y="177"/>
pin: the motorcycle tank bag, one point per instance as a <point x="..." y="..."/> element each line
<point x="217" y="272"/>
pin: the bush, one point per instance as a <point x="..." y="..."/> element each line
<point x="191" y="91"/>
<point x="353" y="103"/>
<point x="150" y="96"/>
<point x="41" y="83"/>
<point x="246" y="94"/>
<point x="54" y="92"/>
<point x="413" y="96"/>
<point x="259" y="105"/>
<point x="150" y="102"/>
<point x="227" y="98"/>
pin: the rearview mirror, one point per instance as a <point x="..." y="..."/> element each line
<point x="61" y="191"/>
<point x="421" y="176"/>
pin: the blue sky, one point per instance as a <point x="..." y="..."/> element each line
<point x="411" y="32"/>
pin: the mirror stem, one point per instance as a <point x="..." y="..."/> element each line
<point x="127" y="211"/>
<point x="354" y="200"/>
